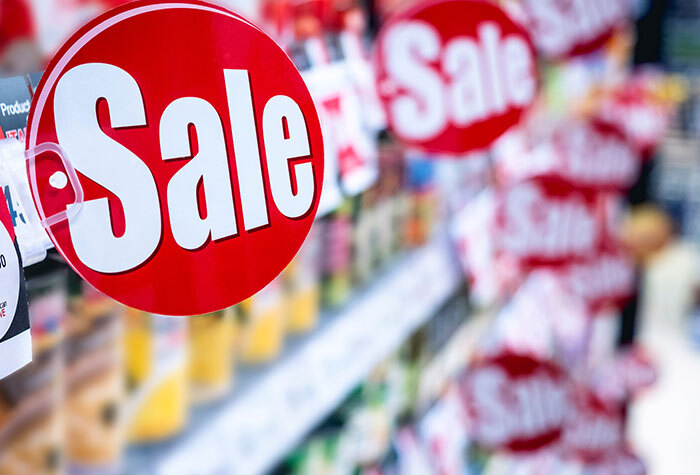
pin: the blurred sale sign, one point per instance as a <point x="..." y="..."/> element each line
<point x="566" y="28"/>
<point x="585" y="154"/>
<point x="624" y="376"/>
<point x="621" y="461"/>
<point x="542" y="222"/>
<point x="592" y="428"/>
<point x="637" y="111"/>
<point x="454" y="75"/>
<point x="197" y="156"/>
<point x="603" y="280"/>
<point x="515" y="402"/>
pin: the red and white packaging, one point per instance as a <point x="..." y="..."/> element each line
<point x="562" y="29"/>
<point x="453" y="86"/>
<point x="515" y="403"/>
<point x="336" y="97"/>
<point x="332" y="195"/>
<point x="194" y="153"/>
<point x="362" y="75"/>
<point x="585" y="154"/>
<point x="547" y="222"/>
<point x="471" y="229"/>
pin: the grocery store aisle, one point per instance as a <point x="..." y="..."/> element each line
<point x="665" y="421"/>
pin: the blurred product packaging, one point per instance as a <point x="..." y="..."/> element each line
<point x="265" y="317"/>
<point x="156" y="374"/>
<point x="95" y="391"/>
<point x="211" y="348"/>
<point x="32" y="411"/>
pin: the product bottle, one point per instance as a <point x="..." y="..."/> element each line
<point x="211" y="355"/>
<point x="262" y="337"/>
<point x="156" y="369"/>
<point x="302" y="284"/>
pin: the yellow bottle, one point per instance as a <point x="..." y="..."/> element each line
<point x="302" y="284"/>
<point x="156" y="367"/>
<point x="32" y="412"/>
<point x="211" y="355"/>
<point x="262" y="337"/>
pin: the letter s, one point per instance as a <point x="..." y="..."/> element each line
<point x="109" y="164"/>
<point x="409" y="47"/>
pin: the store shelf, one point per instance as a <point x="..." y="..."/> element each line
<point x="275" y="407"/>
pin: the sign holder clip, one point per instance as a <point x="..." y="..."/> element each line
<point x="71" y="210"/>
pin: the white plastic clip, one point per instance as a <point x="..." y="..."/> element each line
<point x="57" y="181"/>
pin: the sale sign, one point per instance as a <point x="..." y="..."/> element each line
<point x="515" y="402"/>
<point x="603" y="280"/>
<point x="454" y="75"/>
<point x="592" y="428"/>
<point x="198" y="153"/>
<point x="585" y="154"/>
<point x="624" y="376"/>
<point x="637" y="112"/>
<point x="620" y="461"/>
<point x="541" y="222"/>
<point x="566" y="28"/>
<point x="471" y="230"/>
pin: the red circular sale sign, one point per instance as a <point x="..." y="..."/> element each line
<point x="197" y="152"/>
<point x="543" y="222"/>
<point x="567" y="28"/>
<point x="516" y="402"/>
<point x="454" y="75"/>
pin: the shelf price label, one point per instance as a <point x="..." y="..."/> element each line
<point x="454" y="74"/>
<point x="198" y="150"/>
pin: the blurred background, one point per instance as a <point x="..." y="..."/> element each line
<point x="353" y="361"/>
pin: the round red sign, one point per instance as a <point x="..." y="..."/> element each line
<point x="198" y="154"/>
<point x="543" y="222"/>
<point x="454" y="74"/>
<point x="567" y="28"/>
<point x="515" y="402"/>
